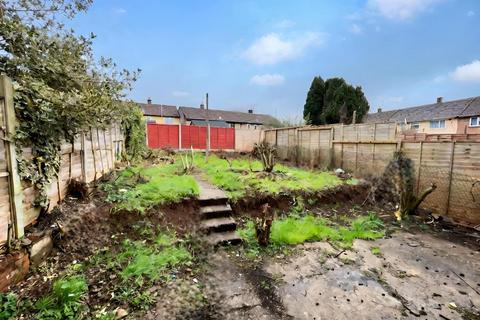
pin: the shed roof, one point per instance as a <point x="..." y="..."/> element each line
<point x="436" y="111"/>
<point x="159" y="110"/>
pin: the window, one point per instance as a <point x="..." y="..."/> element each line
<point x="475" y="122"/>
<point x="168" y="120"/>
<point x="415" y="125"/>
<point x="437" y="124"/>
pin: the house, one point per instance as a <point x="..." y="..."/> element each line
<point x="160" y="113"/>
<point x="443" y="117"/>
<point x="228" y="119"/>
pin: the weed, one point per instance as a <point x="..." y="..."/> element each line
<point x="8" y="306"/>
<point x="65" y="300"/>
<point x="375" y="250"/>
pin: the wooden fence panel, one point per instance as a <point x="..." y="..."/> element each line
<point x="367" y="149"/>
<point x="464" y="197"/>
<point x="435" y="168"/>
<point x="4" y="182"/>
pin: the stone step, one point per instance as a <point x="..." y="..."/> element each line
<point x="218" y="224"/>
<point x="216" y="211"/>
<point x="223" y="238"/>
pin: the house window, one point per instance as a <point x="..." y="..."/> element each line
<point x="437" y="124"/>
<point x="168" y="120"/>
<point x="415" y="125"/>
<point x="475" y="122"/>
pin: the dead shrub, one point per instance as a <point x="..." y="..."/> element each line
<point x="267" y="154"/>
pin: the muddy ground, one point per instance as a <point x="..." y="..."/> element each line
<point x="422" y="271"/>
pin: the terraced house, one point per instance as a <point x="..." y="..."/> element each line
<point x="168" y="114"/>
<point x="443" y="117"/>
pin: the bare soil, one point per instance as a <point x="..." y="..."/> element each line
<point x="427" y="269"/>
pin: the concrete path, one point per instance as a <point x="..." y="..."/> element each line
<point x="209" y="191"/>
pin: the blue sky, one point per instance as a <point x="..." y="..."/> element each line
<point x="264" y="54"/>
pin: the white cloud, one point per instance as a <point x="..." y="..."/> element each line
<point x="285" y="24"/>
<point x="400" y="9"/>
<point x="274" y="48"/>
<point x="471" y="13"/>
<point x="120" y="11"/>
<point x="180" y="93"/>
<point x="267" y="79"/>
<point x="468" y="72"/>
<point x="356" y="29"/>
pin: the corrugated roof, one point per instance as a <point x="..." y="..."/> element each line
<point x="436" y="111"/>
<point x="160" y="110"/>
<point x="228" y="116"/>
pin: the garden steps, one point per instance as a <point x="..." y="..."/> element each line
<point x="223" y="238"/>
<point x="217" y="222"/>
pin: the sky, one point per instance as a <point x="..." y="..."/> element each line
<point x="264" y="54"/>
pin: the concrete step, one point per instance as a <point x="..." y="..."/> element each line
<point x="218" y="225"/>
<point x="212" y="201"/>
<point x="223" y="238"/>
<point x="216" y="211"/>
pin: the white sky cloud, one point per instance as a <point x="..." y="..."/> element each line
<point x="400" y="9"/>
<point x="468" y="72"/>
<point x="471" y="13"/>
<point x="274" y="48"/>
<point x="285" y="24"/>
<point x="356" y="29"/>
<point x="267" y="79"/>
<point x="120" y="11"/>
<point x="180" y="93"/>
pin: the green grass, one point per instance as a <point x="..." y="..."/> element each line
<point x="375" y="250"/>
<point x="65" y="300"/>
<point x="296" y="230"/>
<point x="140" y="188"/>
<point x="239" y="180"/>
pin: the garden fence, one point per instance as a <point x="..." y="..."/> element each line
<point x="92" y="154"/>
<point x="366" y="149"/>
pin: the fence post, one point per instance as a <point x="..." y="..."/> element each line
<point x="450" y="176"/>
<point x="82" y="157"/>
<point x="15" y="186"/>
<point x="419" y="167"/>
<point x="180" y="136"/>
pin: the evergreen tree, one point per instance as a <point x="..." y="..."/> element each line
<point x="313" y="108"/>
<point x="334" y="102"/>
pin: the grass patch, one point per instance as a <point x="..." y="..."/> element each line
<point x="239" y="179"/>
<point x="140" y="188"/>
<point x="375" y="250"/>
<point x="65" y="301"/>
<point x="296" y="230"/>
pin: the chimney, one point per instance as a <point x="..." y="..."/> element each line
<point x="250" y="110"/>
<point x="202" y="106"/>
<point x="379" y="110"/>
<point x="149" y="101"/>
<point x="439" y="99"/>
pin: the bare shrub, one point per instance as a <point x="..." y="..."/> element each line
<point x="267" y="154"/>
<point x="187" y="161"/>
